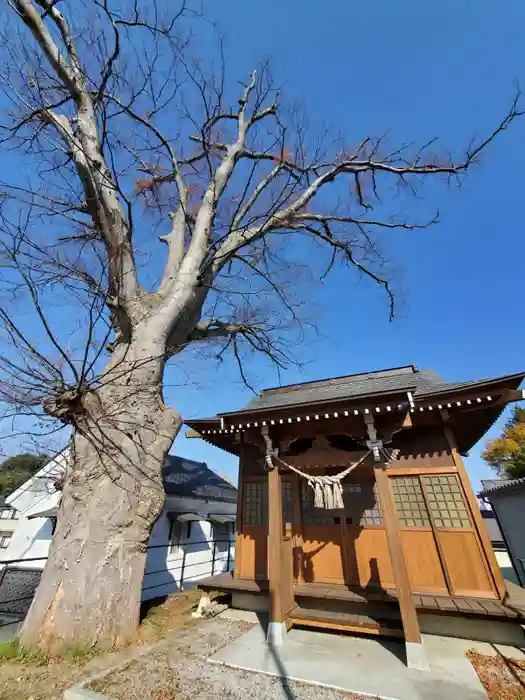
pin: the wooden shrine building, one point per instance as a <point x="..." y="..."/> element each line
<point x="355" y="511"/>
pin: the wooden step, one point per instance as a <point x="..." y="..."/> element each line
<point x="346" y="622"/>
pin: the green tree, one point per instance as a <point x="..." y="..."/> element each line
<point x="506" y="454"/>
<point x="15" y="470"/>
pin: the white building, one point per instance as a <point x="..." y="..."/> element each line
<point x="194" y="536"/>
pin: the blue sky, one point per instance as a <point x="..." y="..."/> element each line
<point x="421" y="70"/>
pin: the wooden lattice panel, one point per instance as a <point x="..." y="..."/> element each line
<point x="445" y="501"/>
<point x="410" y="502"/>
<point x="255" y="503"/>
<point x="357" y="497"/>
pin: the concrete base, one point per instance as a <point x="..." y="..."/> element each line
<point x="461" y="626"/>
<point x="276" y="634"/>
<point x="361" y="665"/>
<point x="416" y="656"/>
<point x="250" y="601"/>
<point x="465" y="627"/>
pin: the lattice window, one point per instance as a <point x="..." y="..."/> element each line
<point x="286" y="490"/>
<point x="445" y="501"/>
<point x="313" y="515"/>
<point x="362" y="504"/>
<point x="256" y="503"/>
<point x="410" y="502"/>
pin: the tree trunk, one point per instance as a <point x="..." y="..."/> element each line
<point x="90" y="590"/>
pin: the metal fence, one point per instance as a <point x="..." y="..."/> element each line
<point x="19" y="580"/>
<point x="181" y="570"/>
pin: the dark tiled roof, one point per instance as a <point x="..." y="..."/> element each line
<point x="189" y="479"/>
<point x="421" y="383"/>
<point x="498" y="485"/>
<point x="399" y="379"/>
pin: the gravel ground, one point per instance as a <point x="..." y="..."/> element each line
<point x="180" y="671"/>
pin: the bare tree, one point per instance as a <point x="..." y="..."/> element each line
<point x="119" y="134"/>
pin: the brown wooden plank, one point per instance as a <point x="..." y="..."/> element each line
<point x="505" y="610"/>
<point x="476" y="606"/>
<point x="429" y="602"/>
<point x="463" y="606"/>
<point x="446" y="604"/>
<point x="492" y="607"/>
<point x="341" y="620"/>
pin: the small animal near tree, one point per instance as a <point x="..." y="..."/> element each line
<point x="121" y="134"/>
<point x="506" y="454"/>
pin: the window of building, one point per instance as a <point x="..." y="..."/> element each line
<point x="256" y="503"/>
<point x="180" y="532"/>
<point x="4" y="539"/>
<point x="221" y="532"/>
<point x="313" y="515"/>
<point x="362" y="504"/>
<point x="287" y="498"/>
<point x="7" y="514"/>
<point x="437" y="500"/>
<point x="410" y="502"/>
<point x="445" y="501"/>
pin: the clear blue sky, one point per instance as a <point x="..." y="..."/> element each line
<point x="421" y="70"/>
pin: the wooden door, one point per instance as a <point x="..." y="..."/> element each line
<point x="367" y="559"/>
<point x="322" y="542"/>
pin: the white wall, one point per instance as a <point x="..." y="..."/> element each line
<point x="164" y="568"/>
<point x="30" y="541"/>
<point x="32" y="538"/>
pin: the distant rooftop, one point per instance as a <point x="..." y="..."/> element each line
<point x="492" y="486"/>
<point x="189" y="479"/>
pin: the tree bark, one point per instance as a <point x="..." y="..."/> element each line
<point x="90" y="590"/>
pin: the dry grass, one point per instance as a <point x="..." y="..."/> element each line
<point x="502" y="678"/>
<point x="36" y="676"/>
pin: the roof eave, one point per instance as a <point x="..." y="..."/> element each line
<point x="360" y="399"/>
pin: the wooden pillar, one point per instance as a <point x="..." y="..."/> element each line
<point x="276" y="626"/>
<point x="414" y="645"/>
<point x="239" y="520"/>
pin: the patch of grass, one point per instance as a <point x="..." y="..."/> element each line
<point x="26" y="673"/>
<point x="13" y="652"/>
<point x="9" y="650"/>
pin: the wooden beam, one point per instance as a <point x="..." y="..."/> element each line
<point x="239" y="521"/>
<point x="395" y="547"/>
<point x="489" y="556"/>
